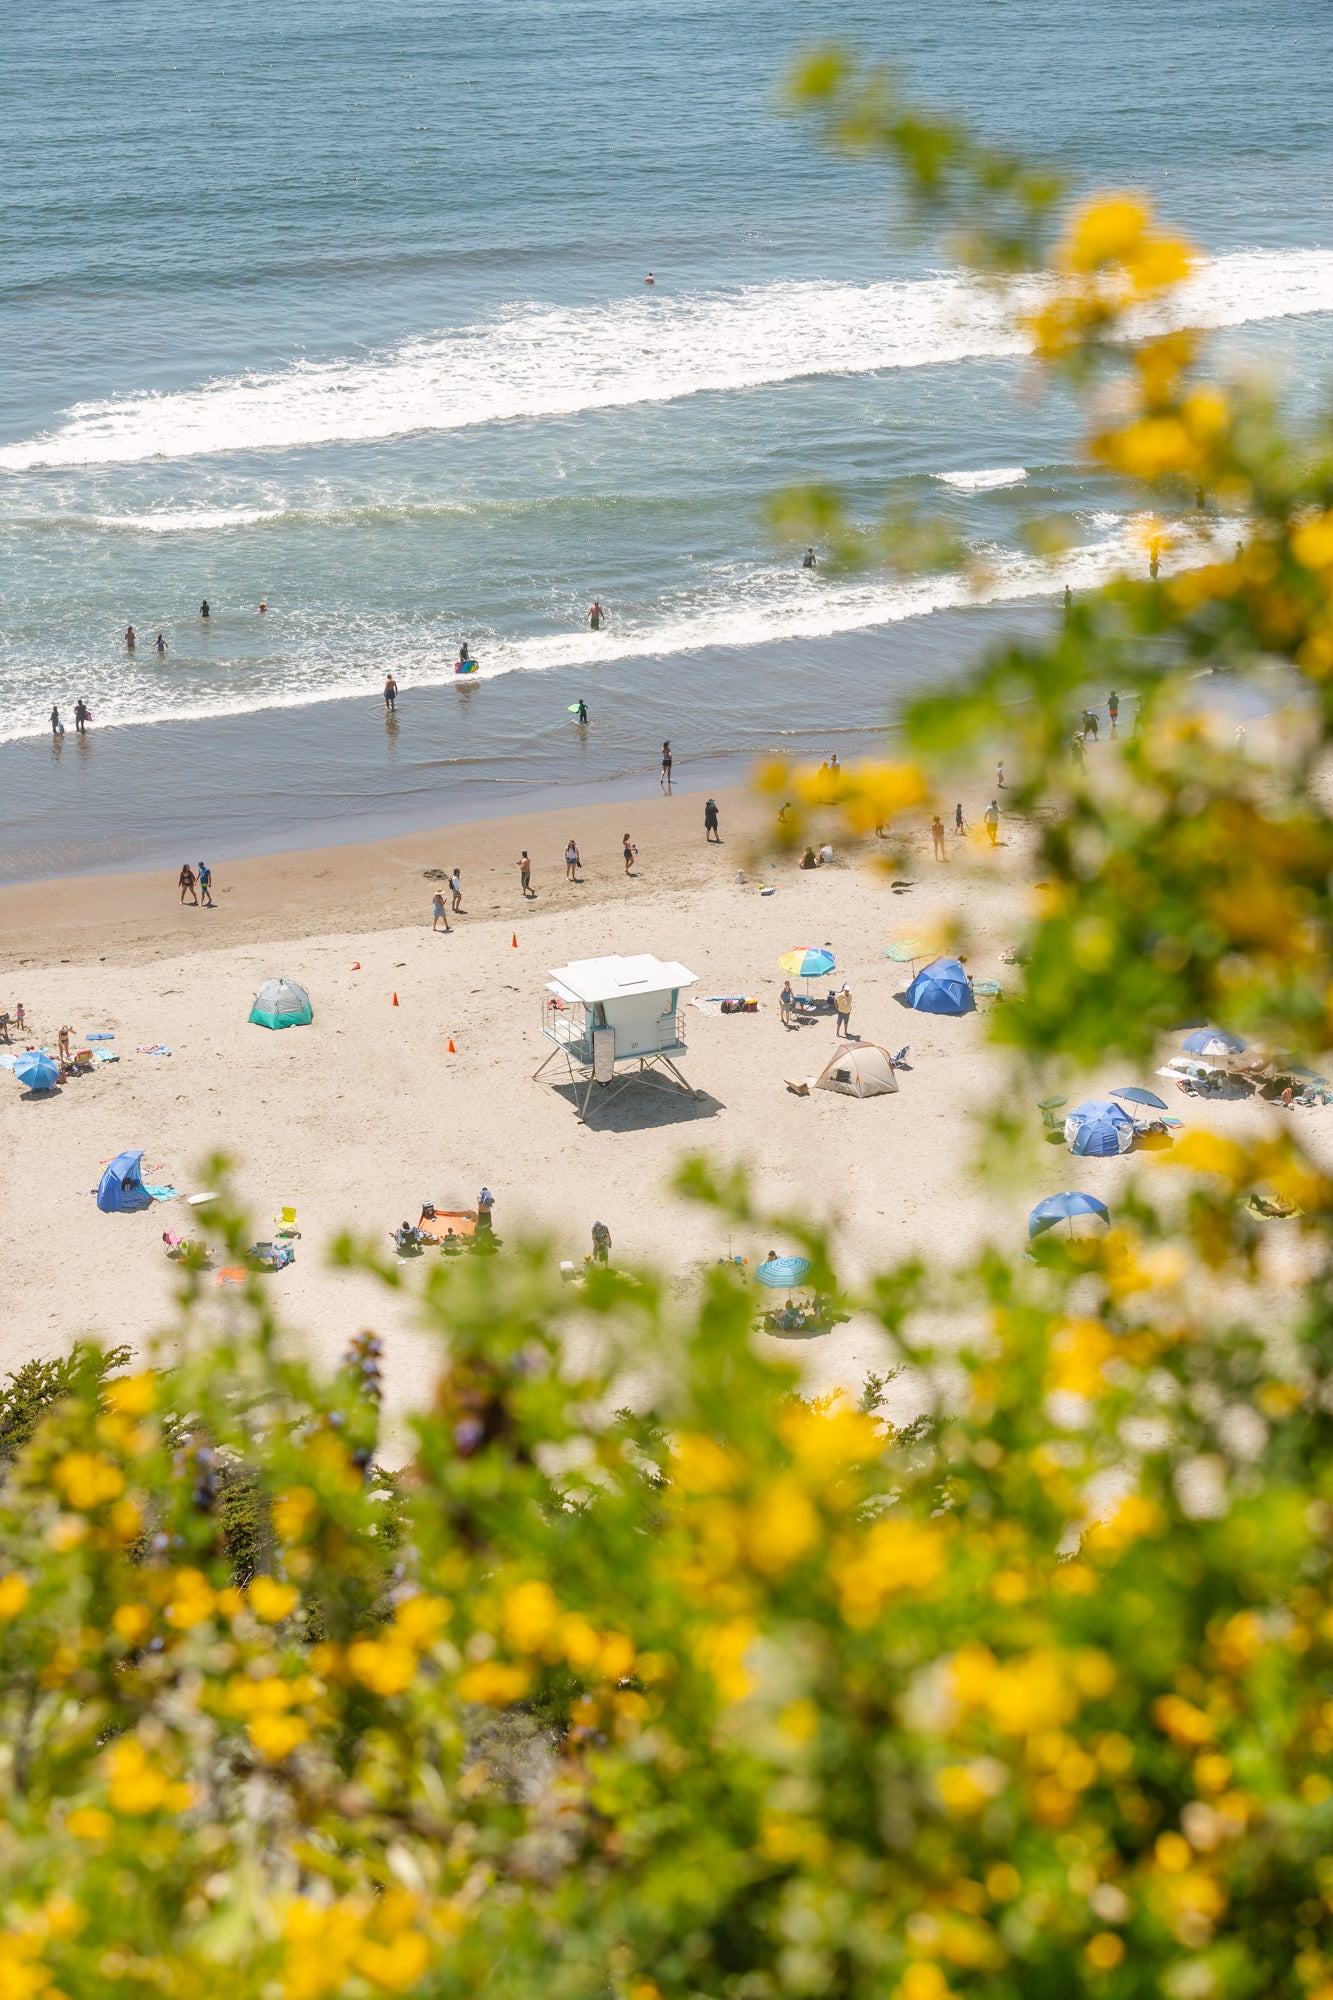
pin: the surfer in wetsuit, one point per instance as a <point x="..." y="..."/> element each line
<point x="203" y="610"/>
<point x="582" y="715"/>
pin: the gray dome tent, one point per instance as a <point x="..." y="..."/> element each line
<point x="281" y="1003"/>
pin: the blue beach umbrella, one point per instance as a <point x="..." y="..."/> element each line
<point x="780" y="1273"/>
<point x="1099" y="1127"/>
<point x="36" y="1071"/>
<point x="1062" y="1208"/>
<point x="1133" y="1094"/>
<point x="1214" y="1042"/>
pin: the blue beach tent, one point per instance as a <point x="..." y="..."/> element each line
<point x="121" y="1187"/>
<point x="1099" y="1127"/>
<point x="941" y="988"/>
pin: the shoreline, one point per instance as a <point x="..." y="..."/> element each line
<point x="339" y="773"/>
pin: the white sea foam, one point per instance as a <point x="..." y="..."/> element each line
<point x="985" y="481"/>
<point x="537" y="361"/>
<point x="189" y="520"/>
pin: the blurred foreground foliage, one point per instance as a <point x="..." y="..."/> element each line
<point x="643" y="1676"/>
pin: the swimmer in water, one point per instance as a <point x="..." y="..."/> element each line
<point x="595" y="615"/>
<point x="809" y="561"/>
<point x="650" y="280"/>
<point x="129" y="638"/>
<point x="203" y="609"/>
<point x="582" y="715"/>
<point x="262" y="605"/>
<point x="160" y="643"/>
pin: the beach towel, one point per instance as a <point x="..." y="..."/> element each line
<point x="159" y="1192"/>
<point x="104" y="1055"/>
<point x="152" y="1049"/>
<point x="730" y="1003"/>
<point x="105" y="1036"/>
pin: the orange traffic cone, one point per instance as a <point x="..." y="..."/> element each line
<point x="452" y="1050"/>
<point x="395" y="999"/>
<point x="514" y="940"/>
<point x="357" y="966"/>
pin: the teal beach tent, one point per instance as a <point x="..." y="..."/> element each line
<point x="281" y="1003"/>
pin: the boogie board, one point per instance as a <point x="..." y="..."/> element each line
<point x="465" y="666"/>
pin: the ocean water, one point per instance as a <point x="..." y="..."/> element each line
<point x="342" y="308"/>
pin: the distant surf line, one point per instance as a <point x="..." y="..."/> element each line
<point x="534" y="360"/>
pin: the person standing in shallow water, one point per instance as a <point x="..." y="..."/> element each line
<point x="161" y="644"/>
<point x="204" y="612"/>
<point x="82" y="716"/>
<point x="665" y="780"/>
<point x="595" y="615"/>
<point x="129" y="638"/>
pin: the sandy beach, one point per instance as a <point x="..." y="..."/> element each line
<point x="360" y="1117"/>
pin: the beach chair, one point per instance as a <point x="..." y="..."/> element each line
<point x="285" y="1223"/>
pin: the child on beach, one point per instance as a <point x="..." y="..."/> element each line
<point x="441" y="914"/>
<point x="572" y="862"/>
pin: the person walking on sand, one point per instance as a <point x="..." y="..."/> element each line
<point x="959" y="823"/>
<point x="601" y="1243"/>
<point x="161" y="644"/>
<point x="999" y="773"/>
<point x="630" y="850"/>
<point x="1113" y="709"/>
<point x="83" y="715"/>
<point x="206" y="886"/>
<point x="441" y="914"/>
<point x="390" y="693"/>
<point x="665" y="780"/>
<point x="572" y="862"/>
<point x="525" y="873"/>
<point x="595" y="616"/>
<point x="937" y="836"/>
<point x="485" y="1203"/>
<point x="456" y="889"/>
<point x="992" y="819"/>
<point x="710" y="821"/>
<point x="843" y="1002"/>
<point x="786" y="1003"/>
<point x="186" y="881"/>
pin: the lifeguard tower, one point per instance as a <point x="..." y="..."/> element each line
<point x="614" y="1019"/>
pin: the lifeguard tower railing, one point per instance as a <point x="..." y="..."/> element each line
<point x="571" y="1025"/>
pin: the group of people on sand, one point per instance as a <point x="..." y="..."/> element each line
<point x="197" y="885"/>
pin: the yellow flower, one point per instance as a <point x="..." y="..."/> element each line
<point x="721" y="1652"/>
<point x="192" y="1600"/>
<point x="126" y="1520"/>
<point x="579" y="1642"/>
<point x="923" y="1981"/>
<point x="495" y="1684"/>
<point x="133" y="1622"/>
<point x="90" y="1823"/>
<point x="1107" y="230"/>
<point x="965" y="1788"/>
<point x="1104" y="1951"/>
<point x="890" y="1558"/>
<point x="382" y="1666"/>
<point x="825" y="1441"/>
<point x="136" y="1785"/>
<point x="419" y="1620"/>
<point x="1133" y="1518"/>
<point x="704" y="1466"/>
<point x="132" y="1395"/>
<point x="14" y="1594"/>
<point x="396" y="1966"/>
<point x="529" y="1615"/>
<point x="782" y="1527"/>
<point x="1312" y="542"/>
<point x="273" y="1601"/>
<point x="1206" y="1153"/>
<point x="1079" y="1351"/>
<point x="276" y="1736"/>
<point x="293" y="1513"/>
<point x="615" y="1660"/>
<point x="87" y="1479"/>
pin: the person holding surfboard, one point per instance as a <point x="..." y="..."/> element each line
<point x="581" y="713"/>
<point x="464" y="664"/>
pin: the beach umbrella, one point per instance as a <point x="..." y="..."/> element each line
<point x="906" y="951"/>
<point x="35" y="1070"/>
<point x="1063" y="1208"/>
<point x="1133" y="1094"/>
<point x="1214" y="1042"/>
<point x="1099" y="1127"/>
<point x="780" y="1273"/>
<point x="810" y="962"/>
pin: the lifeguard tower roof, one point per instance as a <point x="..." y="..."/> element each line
<point x="591" y="980"/>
